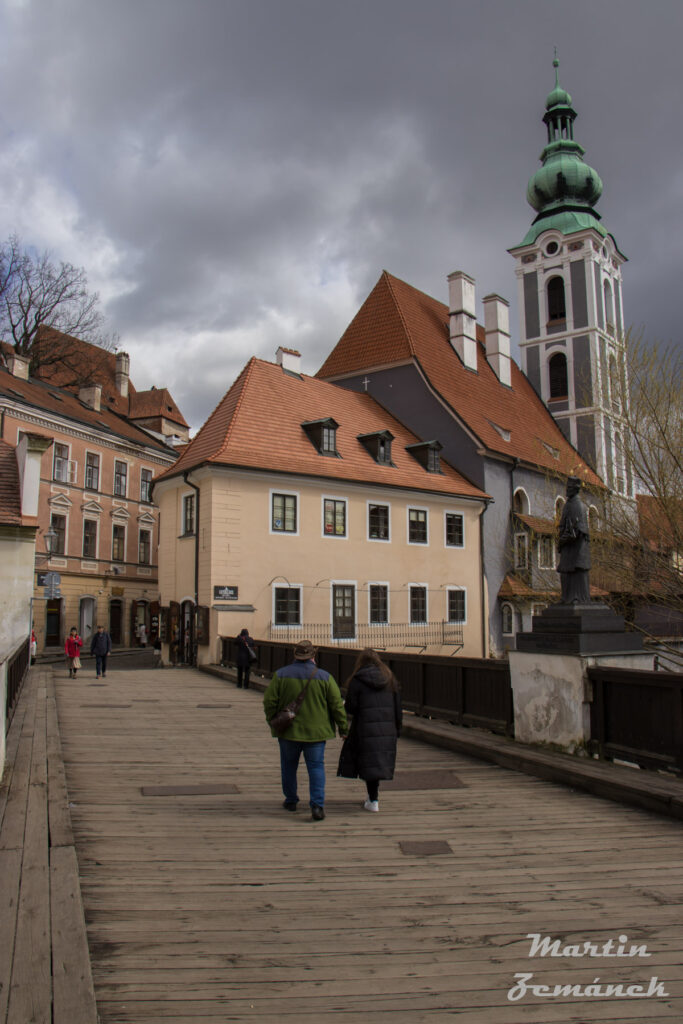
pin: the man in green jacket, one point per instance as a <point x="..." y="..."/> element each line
<point x="321" y="709"/>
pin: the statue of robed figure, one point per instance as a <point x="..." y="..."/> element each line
<point x="574" y="544"/>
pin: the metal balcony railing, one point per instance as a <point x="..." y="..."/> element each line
<point x="376" y="635"/>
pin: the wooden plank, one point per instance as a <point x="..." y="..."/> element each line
<point x="10" y="874"/>
<point x="73" y="990"/>
<point x="59" y="818"/>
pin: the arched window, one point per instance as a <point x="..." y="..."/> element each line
<point x="507" y="617"/>
<point x="520" y="502"/>
<point x="557" y="309"/>
<point x="609" y="308"/>
<point x="614" y="384"/>
<point x="593" y="519"/>
<point x="557" y="372"/>
<point x="559" y="505"/>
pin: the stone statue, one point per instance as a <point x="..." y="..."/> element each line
<point x="574" y="544"/>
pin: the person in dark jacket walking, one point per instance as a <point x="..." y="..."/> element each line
<point x="373" y="700"/>
<point x="100" y="646"/>
<point x="243" y="658"/>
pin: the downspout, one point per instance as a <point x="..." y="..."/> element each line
<point x="484" y="618"/>
<point x="186" y="478"/>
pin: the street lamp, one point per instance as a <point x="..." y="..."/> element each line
<point x="50" y="538"/>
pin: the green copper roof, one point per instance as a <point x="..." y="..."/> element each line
<point x="564" y="190"/>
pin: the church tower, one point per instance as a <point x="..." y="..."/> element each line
<point x="571" y="321"/>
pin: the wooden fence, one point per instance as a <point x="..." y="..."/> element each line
<point x="16" y="668"/>
<point x="638" y="716"/>
<point x="465" y="691"/>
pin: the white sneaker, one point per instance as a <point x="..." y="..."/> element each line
<point x="371" y="805"/>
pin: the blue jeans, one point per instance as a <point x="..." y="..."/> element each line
<point x="100" y="664"/>
<point x="314" y="756"/>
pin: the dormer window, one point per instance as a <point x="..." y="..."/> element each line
<point x="427" y="454"/>
<point x="323" y="435"/>
<point x="379" y="446"/>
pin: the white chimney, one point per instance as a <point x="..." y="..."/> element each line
<point x="29" y="454"/>
<point x="91" y="396"/>
<point x="288" y="359"/>
<point x="497" y="328"/>
<point x="122" y="371"/>
<point x="462" y="317"/>
<point x="18" y="365"/>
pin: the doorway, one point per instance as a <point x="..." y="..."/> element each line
<point x="87" y="619"/>
<point x="53" y="623"/>
<point x="115" y="617"/>
<point x="343" y="611"/>
<point x="187" y="645"/>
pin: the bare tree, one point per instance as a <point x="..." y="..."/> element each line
<point x="37" y="293"/>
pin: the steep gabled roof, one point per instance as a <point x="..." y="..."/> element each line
<point x="67" y="362"/>
<point x="258" y="425"/>
<point x="398" y="323"/>
<point x="155" y="402"/>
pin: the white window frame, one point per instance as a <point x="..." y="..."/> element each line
<point x="287" y="494"/>
<point x="65" y="515"/>
<point x="525" y="564"/>
<point x="525" y="511"/>
<point x="425" y="587"/>
<point x="120" y="561"/>
<point x="511" y="631"/>
<point x="459" y="590"/>
<point x="70" y="466"/>
<point x="95" y="490"/>
<point x="539" y="543"/>
<point x="379" y="583"/>
<point x="347" y="524"/>
<point x="183" y="530"/>
<point x="387" y="506"/>
<point x="288" y="586"/>
<point x="417" y="543"/>
<point x="146" y="469"/>
<point x="150" y="531"/>
<point x="453" y="512"/>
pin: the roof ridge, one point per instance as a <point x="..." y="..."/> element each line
<point x="390" y="279"/>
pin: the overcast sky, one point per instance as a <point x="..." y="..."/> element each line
<point x="235" y="174"/>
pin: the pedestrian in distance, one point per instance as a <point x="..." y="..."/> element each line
<point x="72" y="649"/>
<point x="100" y="646"/>
<point x="321" y="710"/>
<point x="142" y="634"/>
<point x="245" y="654"/>
<point x="157" y="651"/>
<point x="373" y="701"/>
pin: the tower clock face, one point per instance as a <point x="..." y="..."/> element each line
<point x="551" y="248"/>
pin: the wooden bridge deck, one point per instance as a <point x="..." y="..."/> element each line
<point x="220" y="906"/>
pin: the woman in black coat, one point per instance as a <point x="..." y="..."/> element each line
<point x="373" y="700"/>
<point x="243" y="658"/>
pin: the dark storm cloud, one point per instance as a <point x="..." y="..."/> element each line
<point x="235" y="175"/>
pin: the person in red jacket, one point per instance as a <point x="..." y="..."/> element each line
<point x="72" y="649"/>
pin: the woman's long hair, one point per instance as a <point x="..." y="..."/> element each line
<point x="370" y="657"/>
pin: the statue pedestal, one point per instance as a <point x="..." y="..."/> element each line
<point x="549" y="671"/>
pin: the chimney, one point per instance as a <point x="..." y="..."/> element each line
<point x="462" y="317"/>
<point x="91" y="396"/>
<point x="288" y="359"/>
<point x="497" y="328"/>
<point x="29" y="454"/>
<point x="122" y="370"/>
<point x="18" y="365"/>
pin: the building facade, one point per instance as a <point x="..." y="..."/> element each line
<point x="303" y="510"/>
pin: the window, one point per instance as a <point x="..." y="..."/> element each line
<point x="378" y="522"/>
<point x="120" y="479"/>
<point x="559" y="505"/>
<point x="593" y="519"/>
<point x="379" y="603"/>
<point x="557" y="309"/>
<point x="188" y="514"/>
<point x="92" y="471"/>
<point x="378" y="445"/>
<point x="609" y="308"/>
<point x="145" y="547"/>
<point x="418" y="604"/>
<point x="118" y="544"/>
<point x="521" y="551"/>
<point x="334" y="517"/>
<point x="546" y="553"/>
<point x="455" y="530"/>
<point x="58" y="524"/>
<point x="557" y="374"/>
<point x="60" y="463"/>
<point x="536" y="609"/>
<point x="417" y="526"/>
<point x="456" y="605"/>
<point x="323" y="435"/>
<point x="384" y="450"/>
<point x="614" y="385"/>
<point x="507" y="619"/>
<point x="283" y="517"/>
<point x="89" y="538"/>
<point x="287" y="606"/>
<point x="146" y="485"/>
<point x="520" y="502"/>
<point x="427" y="454"/>
<point x="329" y="440"/>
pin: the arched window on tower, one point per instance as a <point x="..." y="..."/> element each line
<point x="520" y="502"/>
<point x="609" y="306"/>
<point x="559" y="505"/>
<point x="557" y="308"/>
<point x="614" y="384"/>
<point x="557" y="374"/>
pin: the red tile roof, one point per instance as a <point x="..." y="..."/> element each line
<point x="661" y="527"/>
<point x="258" y="425"/>
<point x="538" y="525"/>
<point x="155" y="402"/>
<point x="63" y="402"/>
<point x="513" y="586"/>
<point x="398" y="323"/>
<point x="10" y="492"/>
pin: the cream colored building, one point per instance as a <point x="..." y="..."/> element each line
<point x="304" y="510"/>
